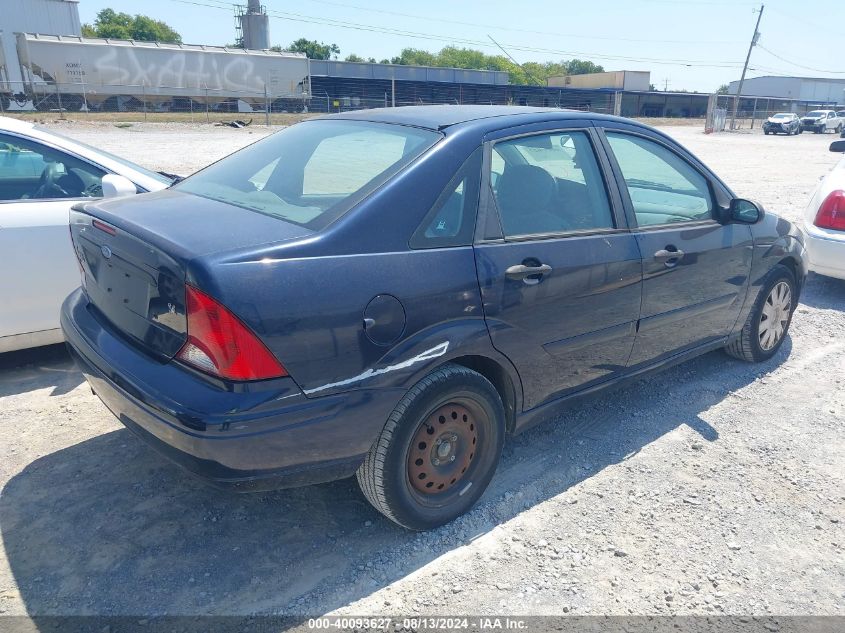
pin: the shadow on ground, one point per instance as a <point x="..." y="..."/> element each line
<point x="108" y="527"/>
<point x="824" y="292"/>
<point x="30" y="369"/>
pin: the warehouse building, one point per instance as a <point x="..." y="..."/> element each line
<point x="634" y="80"/>
<point x="807" y="89"/>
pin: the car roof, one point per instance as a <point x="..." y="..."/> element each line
<point x="15" y="125"/>
<point x="440" y="117"/>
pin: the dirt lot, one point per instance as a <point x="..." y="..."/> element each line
<point x="715" y="488"/>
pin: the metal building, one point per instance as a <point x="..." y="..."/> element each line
<point x="616" y="79"/>
<point x="810" y="89"/>
<point x="57" y="17"/>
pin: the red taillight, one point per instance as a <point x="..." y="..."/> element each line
<point x="831" y="214"/>
<point x="220" y="344"/>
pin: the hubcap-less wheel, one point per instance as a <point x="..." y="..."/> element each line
<point x="775" y="316"/>
<point x="443" y="449"/>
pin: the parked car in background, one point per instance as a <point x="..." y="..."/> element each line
<point x="43" y="174"/>
<point x="387" y="293"/>
<point x="824" y="221"/>
<point x="819" y="121"/>
<point x="782" y="123"/>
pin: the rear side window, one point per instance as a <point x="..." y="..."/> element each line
<point x="313" y="172"/>
<point x="451" y="221"/>
<point x="663" y="187"/>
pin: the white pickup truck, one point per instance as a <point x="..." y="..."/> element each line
<point x="819" y="121"/>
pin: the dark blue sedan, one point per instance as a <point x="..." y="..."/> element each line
<point x="390" y="293"/>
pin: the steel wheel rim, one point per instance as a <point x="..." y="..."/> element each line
<point x="775" y="316"/>
<point x="443" y="450"/>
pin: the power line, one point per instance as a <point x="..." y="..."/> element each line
<point x="297" y="17"/>
<point x="817" y="70"/>
<point x="513" y="29"/>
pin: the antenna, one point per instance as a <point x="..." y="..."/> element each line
<point x="510" y="57"/>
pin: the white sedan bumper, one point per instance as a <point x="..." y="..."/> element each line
<point x="827" y="251"/>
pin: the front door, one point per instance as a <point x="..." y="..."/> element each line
<point x="561" y="281"/>
<point x="38" y="185"/>
<point x="695" y="269"/>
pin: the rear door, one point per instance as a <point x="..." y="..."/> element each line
<point x="38" y="185"/>
<point x="560" y="274"/>
<point x="695" y="269"/>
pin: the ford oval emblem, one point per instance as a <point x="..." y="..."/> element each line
<point x="106" y="251"/>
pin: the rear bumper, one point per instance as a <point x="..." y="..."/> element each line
<point x="827" y="253"/>
<point x="251" y="436"/>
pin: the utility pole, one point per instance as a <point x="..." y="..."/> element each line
<point x="666" y="85"/>
<point x="754" y="39"/>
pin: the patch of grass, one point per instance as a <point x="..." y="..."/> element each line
<point x="123" y="125"/>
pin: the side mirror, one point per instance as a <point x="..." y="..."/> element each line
<point x="837" y="146"/>
<point x="745" y="211"/>
<point x="115" y="186"/>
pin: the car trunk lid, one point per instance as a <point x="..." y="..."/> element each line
<point x="135" y="255"/>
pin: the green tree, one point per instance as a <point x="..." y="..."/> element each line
<point x="122" y="26"/>
<point x="723" y="89"/>
<point x="528" y="73"/>
<point x="582" y="67"/>
<point x="354" y="58"/>
<point x="314" y="49"/>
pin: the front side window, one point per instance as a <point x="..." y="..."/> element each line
<point x="663" y="187"/>
<point x="549" y="183"/>
<point x="313" y="172"/>
<point x="31" y="171"/>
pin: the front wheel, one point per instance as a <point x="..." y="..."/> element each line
<point x="438" y="451"/>
<point x="768" y="323"/>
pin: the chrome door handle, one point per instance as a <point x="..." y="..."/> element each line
<point x="521" y="271"/>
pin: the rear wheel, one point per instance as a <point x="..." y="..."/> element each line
<point x="438" y="451"/>
<point x="768" y="323"/>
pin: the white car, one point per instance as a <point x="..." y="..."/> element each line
<point x="824" y="221"/>
<point x="43" y="174"/>
<point x="820" y="121"/>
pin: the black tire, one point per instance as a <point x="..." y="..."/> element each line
<point x="838" y="129"/>
<point x="766" y="132"/>
<point x="385" y="475"/>
<point x="748" y="345"/>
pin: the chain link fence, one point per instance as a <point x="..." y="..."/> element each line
<point x="141" y="102"/>
<point x="751" y="112"/>
<point x="196" y="104"/>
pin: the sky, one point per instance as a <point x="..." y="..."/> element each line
<point x="686" y="44"/>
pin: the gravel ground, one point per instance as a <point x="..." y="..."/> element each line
<point x="717" y="487"/>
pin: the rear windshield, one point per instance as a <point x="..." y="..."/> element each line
<point x="313" y="172"/>
<point x="817" y="113"/>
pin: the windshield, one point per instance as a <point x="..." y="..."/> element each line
<point x="97" y="151"/>
<point x="782" y="116"/>
<point x="817" y="113"/>
<point x="313" y="172"/>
